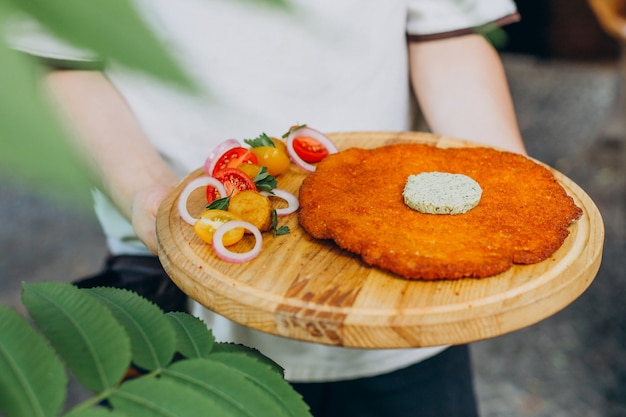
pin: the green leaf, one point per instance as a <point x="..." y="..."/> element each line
<point x="276" y="229"/>
<point x="219" y="204"/>
<point x="34" y="150"/>
<point x="153" y="339"/>
<point x="228" y="347"/>
<point x="193" y="338"/>
<point x="264" y="181"/>
<point x="82" y="330"/>
<point x="292" y="129"/>
<point x="32" y="378"/>
<point x="151" y="397"/>
<point x="225" y="385"/>
<point x="112" y="29"/>
<point x="282" y="230"/>
<point x="94" y="412"/>
<point x="259" y="141"/>
<point x="267" y="378"/>
<point x="494" y="34"/>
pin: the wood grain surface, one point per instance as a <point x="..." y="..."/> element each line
<point x="311" y="290"/>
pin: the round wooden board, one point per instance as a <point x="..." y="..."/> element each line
<point x="311" y="290"/>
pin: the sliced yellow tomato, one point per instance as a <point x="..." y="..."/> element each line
<point x="253" y="207"/>
<point x="210" y="220"/>
<point x="273" y="158"/>
<point x="251" y="169"/>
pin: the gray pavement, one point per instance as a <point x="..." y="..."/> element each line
<point x="571" y="364"/>
<point x="574" y="363"/>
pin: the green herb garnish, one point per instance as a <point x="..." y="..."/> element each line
<point x="219" y="204"/>
<point x="282" y="230"/>
<point x="264" y="181"/>
<point x="261" y="140"/>
<point x="277" y="231"/>
<point x="292" y="129"/>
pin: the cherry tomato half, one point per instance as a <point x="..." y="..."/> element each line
<point x="234" y="180"/>
<point x="309" y="149"/>
<point x="210" y="220"/>
<point x="276" y="160"/>
<point x="234" y="157"/>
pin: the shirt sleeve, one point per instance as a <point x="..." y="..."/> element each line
<point x="27" y="36"/>
<point x="434" y="19"/>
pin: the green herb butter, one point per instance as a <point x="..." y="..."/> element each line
<point x="441" y="193"/>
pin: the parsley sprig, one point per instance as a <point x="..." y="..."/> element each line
<point x="264" y="181"/>
<point x="278" y="230"/>
<point x="261" y="140"/>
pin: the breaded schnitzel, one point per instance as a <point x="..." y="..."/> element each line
<point x="355" y="198"/>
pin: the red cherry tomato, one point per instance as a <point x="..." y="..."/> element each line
<point x="234" y="180"/>
<point x="309" y="149"/>
<point x="212" y="194"/>
<point x="234" y="157"/>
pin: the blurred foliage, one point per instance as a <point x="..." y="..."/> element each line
<point x="494" y="34"/>
<point x="33" y="149"/>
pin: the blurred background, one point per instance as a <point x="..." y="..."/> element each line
<point x="566" y="77"/>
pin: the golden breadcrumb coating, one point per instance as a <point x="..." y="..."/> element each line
<point x="355" y="198"/>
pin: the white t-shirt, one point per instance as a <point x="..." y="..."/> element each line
<point x="337" y="65"/>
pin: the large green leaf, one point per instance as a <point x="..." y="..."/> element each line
<point x="82" y="330"/>
<point x="33" y="146"/>
<point x="33" y="150"/>
<point x="267" y="379"/>
<point x="151" y="397"/>
<point x="193" y="338"/>
<point x="226" y="385"/>
<point x="32" y="378"/>
<point x="153" y="339"/>
<point x="94" y="412"/>
<point x="112" y="29"/>
<point x="229" y="347"/>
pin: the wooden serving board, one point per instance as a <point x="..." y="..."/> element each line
<point x="311" y="290"/>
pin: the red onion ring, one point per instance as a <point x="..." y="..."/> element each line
<point x="292" y="201"/>
<point x="219" y="150"/>
<point x="235" y="257"/>
<point x="312" y="133"/>
<point x="189" y="188"/>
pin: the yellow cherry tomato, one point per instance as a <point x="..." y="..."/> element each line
<point x="210" y="220"/>
<point x="279" y="144"/>
<point x="273" y="158"/>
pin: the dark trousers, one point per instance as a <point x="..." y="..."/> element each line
<point x="141" y="274"/>
<point x="440" y="386"/>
